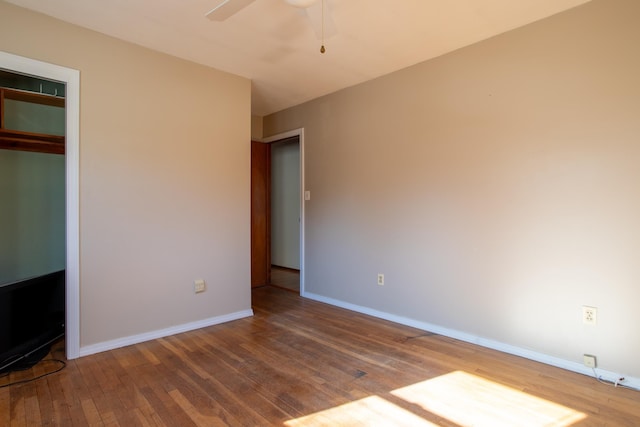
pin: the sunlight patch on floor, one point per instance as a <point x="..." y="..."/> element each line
<point x="469" y="400"/>
<point x="460" y="398"/>
<point x="370" y="411"/>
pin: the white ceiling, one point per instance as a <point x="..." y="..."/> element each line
<point x="274" y="44"/>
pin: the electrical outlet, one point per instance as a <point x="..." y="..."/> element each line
<point x="380" y="279"/>
<point x="199" y="286"/>
<point x="589" y="360"/>
<point x="589" y="315"/>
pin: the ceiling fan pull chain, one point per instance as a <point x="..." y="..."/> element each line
<point x="322" y="49"/>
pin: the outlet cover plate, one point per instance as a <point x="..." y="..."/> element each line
<point x="589" y="361"/>
<point x="199" y="286"/>
<point x="589" y="315"/>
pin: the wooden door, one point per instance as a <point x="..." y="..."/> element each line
<point x="260" y="214"/>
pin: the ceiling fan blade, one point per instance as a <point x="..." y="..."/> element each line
<point x="227" y="8"/>
<point x="303" y="4"/>
<point x="314" y="13"/>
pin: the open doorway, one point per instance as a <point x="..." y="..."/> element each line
<point x="285" y="213"/>
<point x="71" y="80"/>
<point x="277" y="214"/>
<point x="32" y="220"/>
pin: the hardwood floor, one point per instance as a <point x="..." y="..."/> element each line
<point x="299" y="362"/>
<point x="285" y="278"/>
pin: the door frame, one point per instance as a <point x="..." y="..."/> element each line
<point x="71" y="78"/>
<point x="300" y="134"/>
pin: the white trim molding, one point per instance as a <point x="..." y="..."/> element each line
<point x="161" y="333"/>
<point x="630" y="382"/>
<point x="71" y="78"/>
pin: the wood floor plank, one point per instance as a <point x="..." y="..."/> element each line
<point x="147" y="419"/>
<point x="300" y="362"/>
<point x="91" y="412"/>
<point x="32" y="411"/>
<point x="18" y="411"/>
<point x="5" y="406"/>
<point x="285" y="278"/>
<point x="195" y="413"/>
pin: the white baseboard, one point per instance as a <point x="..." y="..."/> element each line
<point x="148" y="336"/>
<point x="630" y="382"/>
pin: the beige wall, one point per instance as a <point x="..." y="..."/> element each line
<point x="495" y="187"/>
<point x="256" y="128"/>
<point x="164" y="179"/>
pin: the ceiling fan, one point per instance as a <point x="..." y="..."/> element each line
<point x="315" y="10"/>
